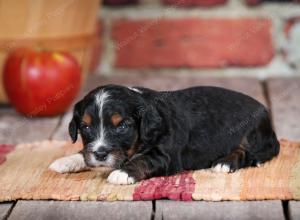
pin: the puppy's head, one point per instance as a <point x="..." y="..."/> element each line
<point x="113" y="121"/>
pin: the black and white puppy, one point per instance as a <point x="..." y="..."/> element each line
<point x="142" y="133"/>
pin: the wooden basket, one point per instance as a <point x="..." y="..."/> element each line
<point x="67" y="25"/>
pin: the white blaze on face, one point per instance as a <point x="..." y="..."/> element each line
<point x="101" y="99"/>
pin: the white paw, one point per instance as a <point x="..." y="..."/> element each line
<point x="73" y="163"/>
<point x="120" y="177"/>
<point x="221" y="168"/>
<point x="259" y="164"/>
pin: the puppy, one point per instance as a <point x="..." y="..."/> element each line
<point x="142" y="133"/>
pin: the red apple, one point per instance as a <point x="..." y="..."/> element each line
<point x="41" y="82"/>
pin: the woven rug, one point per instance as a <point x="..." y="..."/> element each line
<point x="24" y="174"/>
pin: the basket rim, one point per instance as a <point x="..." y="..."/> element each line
<point x="58" y="43"/>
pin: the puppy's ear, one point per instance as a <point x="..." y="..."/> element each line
<point x="151" y="126"/>
<point x="74" y="124"/>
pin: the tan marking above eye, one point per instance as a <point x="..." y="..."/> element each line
<point x="87" y="119"/>
<point x="116" y="118"/>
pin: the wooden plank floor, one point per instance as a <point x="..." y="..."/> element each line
<point x="5" y="209"/>
<point x="285" y="103"/>
<point x="295" y="210"/>
<point x="260" y="210"/>
<point x="38" y="129"/>
<point x="25" y="210"/>
<point x="15" y="128"/>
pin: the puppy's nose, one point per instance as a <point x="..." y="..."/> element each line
<point x="101" y="155"/>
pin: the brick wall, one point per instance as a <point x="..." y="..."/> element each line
<point x="208" y="37"/>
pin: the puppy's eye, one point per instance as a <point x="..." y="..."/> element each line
<point x="122" y="127"/>
<point x="84" y="127"/>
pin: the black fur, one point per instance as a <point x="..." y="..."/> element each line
<point x="169" y="132"/>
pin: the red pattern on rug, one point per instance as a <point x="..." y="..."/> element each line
<point x="5" y="149"/>
<point x="178" y="187"/>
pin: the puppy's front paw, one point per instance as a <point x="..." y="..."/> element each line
<point x="120" y="177"/>
<point x="73" y="163"/>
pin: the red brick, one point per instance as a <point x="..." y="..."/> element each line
<point x="189" y="3"/>
<point x="193" y="42"/>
